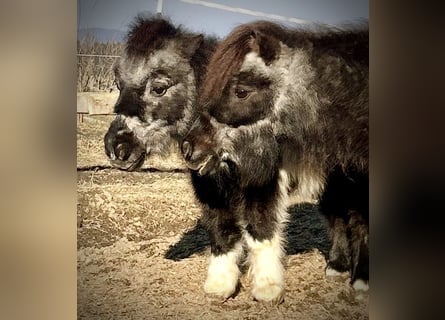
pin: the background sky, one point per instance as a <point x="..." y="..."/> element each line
<point x="118" y="14"/>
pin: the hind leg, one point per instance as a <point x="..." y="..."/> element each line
<point x="339" y="254"/>
<point x="345" y="202"/>
<point x="226" y="249"/>
<point x="358" y="229"/>
<point x="334" y="205"/>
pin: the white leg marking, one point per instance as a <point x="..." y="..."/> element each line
<point x="223" y="273"/>
<point x="360" y="285"/>
<point x="266" y="269"/>
<point x="265" y="257"/>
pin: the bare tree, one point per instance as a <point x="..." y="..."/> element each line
<point x="95" y="73"/>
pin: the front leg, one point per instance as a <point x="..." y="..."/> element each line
<point x="217" y="194"/>
<point x="266" y="215"/>
<point x="223" y="272"/>
<point x="266" y="268"/>
<point x="226" y="250"/>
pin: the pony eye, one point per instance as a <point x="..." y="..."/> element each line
<point x="158" y="91"/>
<point x="241" y="93"/>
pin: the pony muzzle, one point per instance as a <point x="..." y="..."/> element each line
<point x="197" y="160"/>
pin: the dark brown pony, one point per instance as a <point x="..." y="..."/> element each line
<point x="283" y="112"/>
<point x="158" y="75"/>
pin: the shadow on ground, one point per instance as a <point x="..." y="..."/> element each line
<point x="305" y="231"/>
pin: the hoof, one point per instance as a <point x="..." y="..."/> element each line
<point x="360" y="285"/>
<point x="223" y="286"/>
<point x="332" y="273"/>
<point x="273" y="294"/>
<point x="335" y="275"/>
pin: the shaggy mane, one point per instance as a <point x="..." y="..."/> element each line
<point x="149" y="33"/>
<point x="230" y="53"/>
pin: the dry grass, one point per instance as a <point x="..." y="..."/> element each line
<point x="129" y="222"/>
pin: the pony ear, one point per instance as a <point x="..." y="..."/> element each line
<point x="190" y="44"/>
<point x="267" y="47"/>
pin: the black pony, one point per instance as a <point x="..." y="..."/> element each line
<point x="282" y="112"/>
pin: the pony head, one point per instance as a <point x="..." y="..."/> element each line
<point x="157" y="75"/>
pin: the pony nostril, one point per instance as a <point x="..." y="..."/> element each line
<point x="187" y="150"/>
<point x="122" y="151"/>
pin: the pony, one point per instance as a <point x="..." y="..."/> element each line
<point x="157" y="76"/>
<point x="282" y="112"/>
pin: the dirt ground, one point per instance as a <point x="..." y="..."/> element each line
<point x="142" y="253"/>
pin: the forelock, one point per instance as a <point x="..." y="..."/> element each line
<point x="230" y="56"/>
<point x="148" y="34"/>
<point x="225" y="63"/>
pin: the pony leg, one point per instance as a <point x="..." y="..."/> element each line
<point x="338" y="198"/>
<point x="223" y="273"/>
<point x="359" y="252"/>
<point x="345" y="202"/>
<point x="226" y="250"/>
<point x="267" y="214"/>
<point x="339" y="254"/>
<point x="266" y="268"/>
